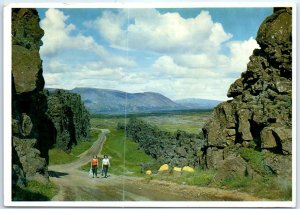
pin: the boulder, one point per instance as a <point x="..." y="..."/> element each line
<point x="230" y="168"/>
<point x="267" y="138"/>
<point x="244" y="124"/>
<point x="34" y="167"/>
<point x="236" y="88"/>
<point x="280" y="165"/>
<point x="284" y="135"/>
<point x="214" y="157"/>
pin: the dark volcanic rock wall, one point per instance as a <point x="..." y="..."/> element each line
<point x="175" y="149"/>
<point x="32" y="131"/>
<point x="70" y="118"/>
<point x="259" y="116"/>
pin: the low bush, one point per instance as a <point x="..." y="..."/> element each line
<point x="255" y="159"/>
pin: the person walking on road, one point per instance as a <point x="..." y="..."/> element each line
<point x="94" y="165"/>
<point x="105" y="165"/>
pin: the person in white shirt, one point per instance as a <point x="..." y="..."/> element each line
<point x="105" y="165"/>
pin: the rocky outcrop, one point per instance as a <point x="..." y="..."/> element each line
<point x="70" y="118"/>
<point x="32" y="131"/>
<point x="176" y="149"/>
<point x="259" y="115"/>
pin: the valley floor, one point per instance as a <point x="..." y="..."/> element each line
<point x="75" y="185"/>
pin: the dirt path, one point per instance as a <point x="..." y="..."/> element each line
<point x="75" y="185"/>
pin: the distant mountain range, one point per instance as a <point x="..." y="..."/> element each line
<point x="108" y="101"/>
<point x="194" y="103"/>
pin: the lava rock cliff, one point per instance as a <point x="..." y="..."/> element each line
<point x="40" y="120"/>
<point x="70" y="118"/>
<point x="259" y="117"/>
<point x="32" y="131"/>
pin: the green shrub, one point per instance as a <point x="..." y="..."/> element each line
<point x="236" y="182"/>
<point x="255" y="159"/>
<point x="204" y="178"/>
<point x="272" y="187"/>
<point x="57" y="156"/>
<point x="35" y="191"/>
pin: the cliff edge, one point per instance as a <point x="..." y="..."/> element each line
<point x="32" y="131"/>
<point x="252" y="133"/>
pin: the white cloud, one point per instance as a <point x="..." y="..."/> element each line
<point x="240" y="53"/>
<point x="58" y="36"/>
<point x="195" y="60"/>
<point x="91" y="74"/>
<point x="216" y="65"/>
<point x="188" y="61"/>
<point x="148" y="29"/>
<point x="166" y="65"/>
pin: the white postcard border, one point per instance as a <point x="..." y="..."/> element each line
<point x="7" y="107"/>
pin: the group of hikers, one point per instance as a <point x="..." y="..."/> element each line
<point x="105" y="166"/>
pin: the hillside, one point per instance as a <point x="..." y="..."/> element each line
<point x="113" y="102"/>
<point x="193" y="103"/>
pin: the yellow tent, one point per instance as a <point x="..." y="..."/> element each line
<point x="177" y="169"/>
<point x="163" y="168"/>
<point x="188" y="169"/>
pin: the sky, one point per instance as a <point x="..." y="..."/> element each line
<point x="180" y="53"/>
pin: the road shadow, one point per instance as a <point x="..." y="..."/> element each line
<point x="57" y="174"/>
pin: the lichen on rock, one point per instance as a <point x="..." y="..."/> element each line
<point x="31" y="128"/>
<point x="259" y="115"/>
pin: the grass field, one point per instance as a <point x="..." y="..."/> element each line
<point x="57" y="156"/>
<point x="125" y="155"/>
<point x="191" y="122"/>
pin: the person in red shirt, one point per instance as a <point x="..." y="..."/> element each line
<point x="94" y="165"/>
